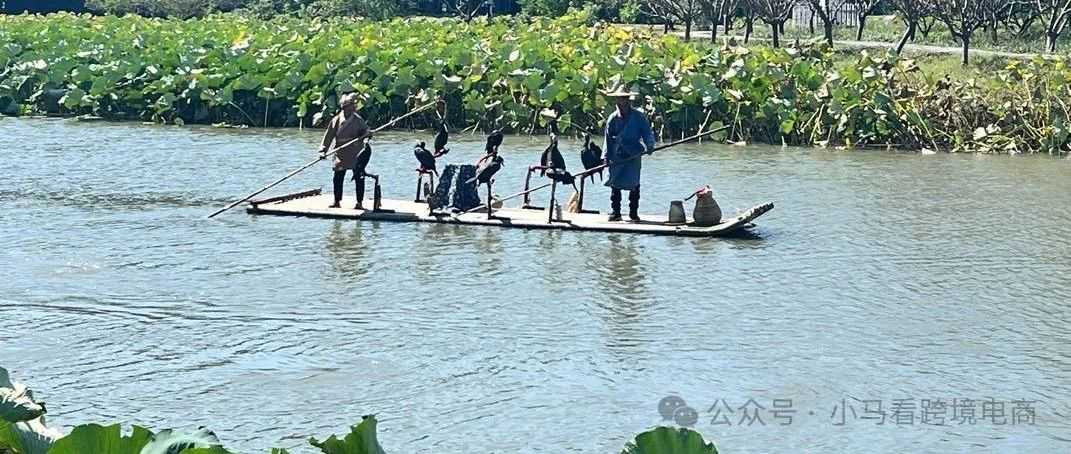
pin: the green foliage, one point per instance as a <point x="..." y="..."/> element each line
<point x="219" y="450"/>
<point x="172" y="442"/>
<point x="22" y="426"/>
<point x="10" y="439"/>
<point x="97" y="439"/>
<point x="290" y="71"/>
<point x="666" y="440"/>
<point x="360" y="440"/>
<point x="17" y="404"/>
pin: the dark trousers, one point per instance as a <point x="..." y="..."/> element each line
<point x="340" y="179"/>
<point x="633" y="200"/>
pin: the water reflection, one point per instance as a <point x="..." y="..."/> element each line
<point x="346" y="248"/>
<point x="489" y="250"/>
<point x="623" y="282"/>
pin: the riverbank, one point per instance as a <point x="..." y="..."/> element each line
<point x="289" y="72"/>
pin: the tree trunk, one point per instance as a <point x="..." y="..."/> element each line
<point x="748" y="27"/>
<point x="1050" y="41"/>
<point x="810" y="23"/>
<point x="908" y="34"/>
<point x="927" y="27"/>
<point x="714" y="29"/>
<point x="688" y="29"/>
<point x="827" y="25"/>
<point x="862" y="25"/>
<point x="776" y="35"/>
<point x="966" y="49"/>
<point x="781" y="26"/>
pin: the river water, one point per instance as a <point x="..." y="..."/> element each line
<point x="886" y="279"/>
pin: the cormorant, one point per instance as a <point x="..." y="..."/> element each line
<point x="494" y="140"/>
<point x="426" y="158"/>
<point x="362" y="161"/>
<point x="552" y="158"/>
<point x="487" y="170"/>
<point x="441" y="139"/>
<point x="591" y="156"/>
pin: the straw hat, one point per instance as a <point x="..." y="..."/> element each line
<point x="348" y="99"/>
<point x="621" y="91"/>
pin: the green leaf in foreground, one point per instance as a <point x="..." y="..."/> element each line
<point x="98" y="439"/>
<point x="212" y="450"/>
<point x="9" y="438"/>
<point x="668" y="440"/>
<point x="361" y="440"/>
<point x="29" y="437"/>
<point x="172" y="442"/>
<point x="17" y="403"/>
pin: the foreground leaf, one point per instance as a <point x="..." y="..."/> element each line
<point x="16" y="401"/>
<point x="361" y="440"/>
<point x="29" y="437"/>
<point x="212" y="450"/>
<point x="22" y="422"/>
<point x="172" y="442"/>
<point x="668" y="440"/>
<point x="98" y="439"/>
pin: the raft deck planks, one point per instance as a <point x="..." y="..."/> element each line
<point x="314" y="204"/>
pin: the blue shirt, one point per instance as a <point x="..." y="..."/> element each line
<point x="626" y="138"/>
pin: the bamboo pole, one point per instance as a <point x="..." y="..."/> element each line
<point x="322" y="157"/>
<point x="596" y="169"/>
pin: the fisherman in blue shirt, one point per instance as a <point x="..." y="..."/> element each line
<point x="628" y="136"/>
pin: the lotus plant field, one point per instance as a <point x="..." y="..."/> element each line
<point x="288" y="71"/>
<point x="23" y="431"/>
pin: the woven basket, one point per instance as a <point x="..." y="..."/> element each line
<point x="707" y="212"/>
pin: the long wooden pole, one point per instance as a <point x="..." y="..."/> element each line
<point x="509" y="197"/>
<point x="660" y="147"/>
<point x="594" y="169"/>
<point x="321" y="158"/>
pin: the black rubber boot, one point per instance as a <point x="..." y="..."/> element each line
<point x="634" y="205"/>
<point x="360" y="192"/>
<point x="615" y="205"/>
<point x="340" y="178"/>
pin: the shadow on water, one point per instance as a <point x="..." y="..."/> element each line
<point x="346" y="246"/>
<point x="624" y="285"/>
<point x="489" y="250"/>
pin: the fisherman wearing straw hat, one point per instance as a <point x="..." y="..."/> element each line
<point x="628" y="136"/>
<point x="344" y="128"/>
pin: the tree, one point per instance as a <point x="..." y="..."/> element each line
<point x="715" y="11"/>
<point x="686" y="12"/>
<point x="774" y="13"/>
<point x="42" y="6"/>
<point x="1023" y="14"/>
<point x="1057" y="15"/>
<point x="375" y="9"/>
<point x="964" y="17"/>
<point x="465" y="9"/>
<point x="551" y="7"/>
<point x="827" y="11"/>
<point x="866" y="9"/>
<point x="912" y="12"/>
<point x="998" y="12"/>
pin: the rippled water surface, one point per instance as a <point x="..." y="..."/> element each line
<point x="879" y="276"/>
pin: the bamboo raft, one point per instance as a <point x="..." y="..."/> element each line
<point x="315" y="204"/>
